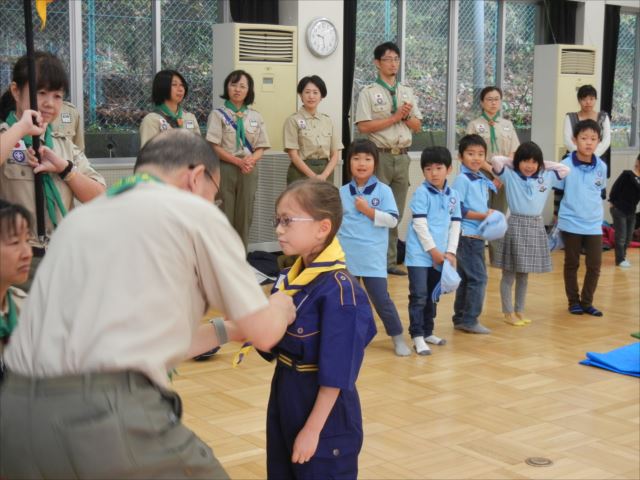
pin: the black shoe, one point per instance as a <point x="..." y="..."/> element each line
<point x="396" y="271"/>
<point x="206" y="355"/>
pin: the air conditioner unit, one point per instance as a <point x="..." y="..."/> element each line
<point x="269" y="54"/>
<point x="558" y="72"/>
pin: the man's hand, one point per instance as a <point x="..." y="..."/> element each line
<point x="284" y="302"/>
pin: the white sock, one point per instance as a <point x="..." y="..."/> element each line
<point x="420" y="345"/>
<point x="401" y="348"/>
<point x="432" y="339"/>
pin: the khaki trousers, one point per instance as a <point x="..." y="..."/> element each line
<point x="394" y="171"/>
<point x="316" y="165"/>
<point x="97" y="426"/>
<point x="238" y="193"/>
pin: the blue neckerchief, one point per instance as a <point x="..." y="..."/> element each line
<point x="473" y="176"/>
<point x="446" y="190"/>
<point x="369" y="187"/>
<point x="235" y="127"/>
<point x="578" y="163"/>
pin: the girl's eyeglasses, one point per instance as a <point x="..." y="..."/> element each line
<point x="286" y="221"/>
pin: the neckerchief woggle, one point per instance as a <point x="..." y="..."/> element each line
<point x="127" y="183"/>
<point x="330" y="259"/>
<point x="8" y="322"/>
<point x="51" y="193"/>
<point x="240" y="133"/>
<point x="392" y="91"/>
<point x="492" y="129"/>
<point x="174" y="118"/>
<point x="479" y="177"/>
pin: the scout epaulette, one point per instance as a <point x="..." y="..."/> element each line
<point x="347" y="289"/>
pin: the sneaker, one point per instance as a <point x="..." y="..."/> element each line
<point x="396" y="271"/>
<point x="206" y="355"/>
<point x="475" y="328"/>
<point x="625" y="264"/>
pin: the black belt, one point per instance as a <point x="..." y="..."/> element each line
<point x="394" y="151"/>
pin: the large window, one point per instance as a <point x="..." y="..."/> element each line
<point x="624" y="126"/>
<point x="425" y="35"/>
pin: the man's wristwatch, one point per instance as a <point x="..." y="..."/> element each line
<point x="63" y="174"/>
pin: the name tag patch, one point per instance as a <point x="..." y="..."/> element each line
<point x="302" y="124"/>
<point x="189" y="124"/>
<point x="65" y="117"/>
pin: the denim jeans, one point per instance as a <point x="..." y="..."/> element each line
<point x="623" y="225"/>
<point x="422" y="309"/>
<point x="385" y="308"/>
<point x="473" y="274"/>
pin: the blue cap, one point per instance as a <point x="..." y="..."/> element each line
<point x="555" y="239"/>
<point x="449" y="281"/>
<point x="494" y="226"/>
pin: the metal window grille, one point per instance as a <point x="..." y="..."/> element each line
<point x="621" y="116"/>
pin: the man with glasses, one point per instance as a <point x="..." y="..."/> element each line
<point x="388" y="114"/>
<point x="115" y="306"/>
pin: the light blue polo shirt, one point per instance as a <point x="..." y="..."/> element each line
<point x="440" y="208"/>
<point x="364" y="244"/>
<point x="581" y="206"/>
<point x="473" y="192"/>
<point x="527" y="195"/>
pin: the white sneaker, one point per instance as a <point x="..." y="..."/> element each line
<point x="625" y="264"/>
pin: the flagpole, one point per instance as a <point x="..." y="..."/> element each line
<point x="33" y="100"/>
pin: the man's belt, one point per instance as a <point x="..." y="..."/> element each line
<point x="394" y="150"/>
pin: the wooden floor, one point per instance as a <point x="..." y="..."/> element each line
<point x="475" y="408"/>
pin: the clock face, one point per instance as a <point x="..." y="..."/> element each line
<point x="322" y="37"/>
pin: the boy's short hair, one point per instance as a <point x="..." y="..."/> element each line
<point x="588" y="124"/>
<point x="587" y="91"/>
<point x="470" y="140"/>
<point x="381" y="49"/>
<point x="435" y="155"/>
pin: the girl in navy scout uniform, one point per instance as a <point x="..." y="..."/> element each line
<point x="524" y="248"/>
<point x="314" y="422"/>
<point x="369" y="212"/>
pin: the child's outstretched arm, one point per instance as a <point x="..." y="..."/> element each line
<point x="560" y="169"/>
<point x="499" y="162"/>
<point x="307" y="439"/>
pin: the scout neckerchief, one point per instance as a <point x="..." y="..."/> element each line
<point x="298" y="277"/>
<point x="240" y="135"/>
<point x="230" y="121"/>
<point x="492" y="129"/>
<point x="391" y="90"/>
<point x="478" y="176"/>
<point x="9" y="320"/>
<point x="174" y="119"/>
<point x="127" y="183"/>
<point x="51" y="192"/>
<point x="330" y="259"/>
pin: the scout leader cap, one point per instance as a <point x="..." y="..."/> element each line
<point x="449" y="281"/>
<point x="494" y="226"/>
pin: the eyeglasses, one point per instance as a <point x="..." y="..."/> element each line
<point x="492" y="99"/>
<point x="286" y="221"/>
<point x="217" y="202"/>
<point x="390" y="59"/>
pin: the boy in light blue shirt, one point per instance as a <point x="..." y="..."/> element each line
<point x="432" y="237"/>
<point x="579" y="197"/>
<point x="473" y="190"/>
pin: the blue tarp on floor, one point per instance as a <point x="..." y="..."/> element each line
<point x="624" y="360"/>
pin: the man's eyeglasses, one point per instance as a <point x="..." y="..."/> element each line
<point x="390" y="59"/>
<point x="286" y="221"/>
<point x="218" y="201"/>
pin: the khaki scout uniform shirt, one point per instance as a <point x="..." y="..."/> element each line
<point x="154" y="123"/>
<point x="17" y="179"/>
<point x="220" y="132"/>
<point x="314" y="136"/>
<point x="375" y="103"/>
<point x="505" y="135"/>
<point x="69" y="125"/>
<point x="125" y="283"/>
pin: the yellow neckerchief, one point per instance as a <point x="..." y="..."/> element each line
<point x="298" y="277"/>
<point x="331" y="258"/>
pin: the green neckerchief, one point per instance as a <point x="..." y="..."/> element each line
<point x="240" y="136"/>
<point x="391" y="90"/>
<point x="8" y="322"/>
<point x="51" y="192"/>
<point x="127" y="183"/>
<point x="176" y="117"/>
<point x="492" y="129"/>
